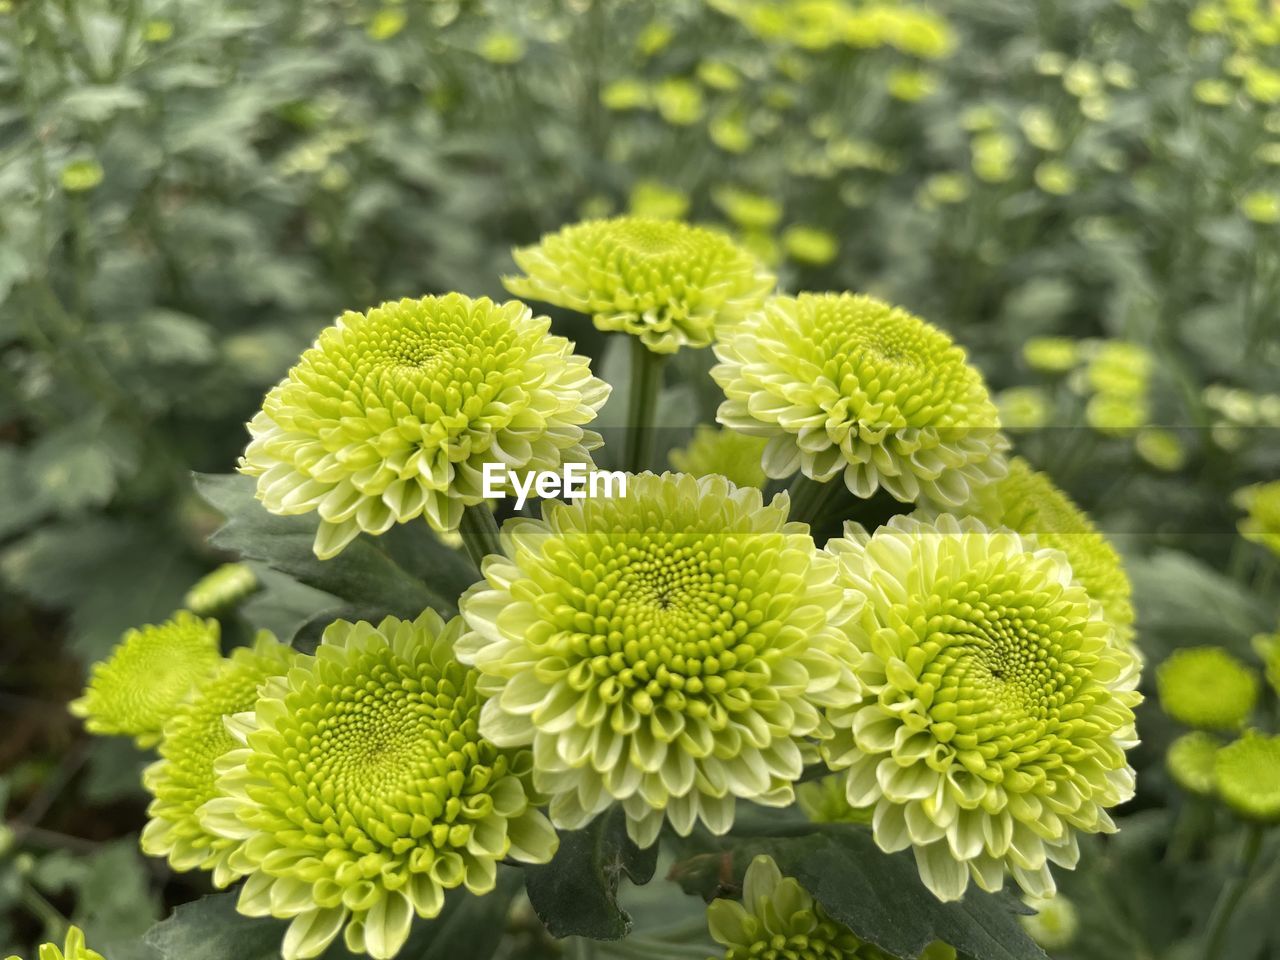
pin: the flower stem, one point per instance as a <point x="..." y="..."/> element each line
<point x="479" y="531"/>
<point x="1232" y="892"/>
<point x="809" y="497"/>
<point x="642" y="405"/>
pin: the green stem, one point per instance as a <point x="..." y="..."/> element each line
<point x="642" y="405"/>
<point x="1232" y="892"/>
<point x="479" y="529"/>
<point x="55" y="924"/>
<point x="809" y="497"/>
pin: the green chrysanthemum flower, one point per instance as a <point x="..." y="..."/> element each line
<point x="1191" y="760"/>
<point x="733" y="455"/>
<point x="1029" y="503"/>
<point x="669" y="650"/>
<point x="149" y="673"/>
<point x="845" y="384"/>
<point x="778" y="920"/>
<point x="998" y="707"/>
<point x="1247" y="775"/>
<point x="364" y="790"/>
<point x="73" y="948"/>
<point x="824" y="801"/>
<point x="1207" y="688"/>
<point x="393" y="413"/>
<point x="1262" y="524"/>
<point x="183" y="779"/>
<point x="666" y="282"/>
<point x="221" y="589"/>
<point x="1055" y="923"/>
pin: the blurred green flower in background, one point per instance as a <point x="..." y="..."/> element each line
<point x="1262" y="521"/>
<point x="1207" y="688"/>
<point x="150" y="672"/>
<point x="1191" y="760"/>
<point x="733" y="455"/>
<point x="1247" y="776"/>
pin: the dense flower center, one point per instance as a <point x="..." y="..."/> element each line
<point x="384" y="742"/>
<point x="674" y="620"/>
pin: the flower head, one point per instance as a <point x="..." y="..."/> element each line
<point x="998" y="707"/>
<point x="1029" y="503"/>
<point x="1207" y="688"/>
<point x="393" y="413"/>
<point x="845" y="384"/>
<point x="221" y="589"/>
<point x="669" y="650"/>
<point x="364" y="790"/>
<point x="1247" y="775"/>
<point x="1054" y="924"/>
<point x="183" y="779"/>
<point x="733" y="455"/>
<point x="1262" y="524"/>
<point x="149" y="673"/>
<point x="777" y="918"/>
<point x="666" y="282"/>
<point x="73" y="948"/>
<point x="1190" y="761"/>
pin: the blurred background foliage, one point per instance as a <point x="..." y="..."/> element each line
<point x="1086" y="194"/>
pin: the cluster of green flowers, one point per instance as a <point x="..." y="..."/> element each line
<point x="965" y="671"/>
<point x="818" y="24"/>
<point x="350" y="788"/>
<point x="1215" y="693"/>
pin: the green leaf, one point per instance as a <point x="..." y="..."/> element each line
<point x="364" y="575"/>
<point x="1182" y="602"/>
<point x="877" y="895"/>
<point x="211" y="929"/>
<point x="576" y="894"/>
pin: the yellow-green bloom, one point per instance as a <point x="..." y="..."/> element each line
<point x="733" y="455"/>
<point x="844" y="384"/>
<point x="993" y="156"/>
<point x="1191" y="760"/>
<point x="502" y="46"/>
<point x="363" y="790"/>
<point x="1207" y="688"/>
<point x="1055" y="177"/>
<point x="1163" y="449"/>
<point x="183" y="779"/>
<point x="1247" y="775"/>
<point x="666" y="282"/>
<point x="1119" y="368"/>
<point x="777" y="918"/>
<point x="80" y="176"/>
<point x="393" y="413"/>
<point x="669" y="650"/>
<point x="221" y="589"/>
<point x="998" y="706"/>
<point x="1054" y="924"/>
<point x="651" y="198"/>
<point x="1030" y="503"/>
<point x="679" y="101"/>
<point x="149" y="673"/>
<point x="811" y="245"/>
<point x="1052" y="354"/>
<point x="1024" y="408"/>
<point x="750" y="211"/>
<point x="73" y="948"/>
<point x="824" y="801"/>
<point x="1261" y="502"/>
